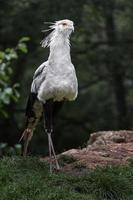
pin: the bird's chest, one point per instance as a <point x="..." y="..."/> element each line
<point x="59" y="72"/>
<point x="58" y="86"/>
<point x="60" y="82"/>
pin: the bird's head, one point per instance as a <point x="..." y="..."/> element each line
<point x="59" y="28"/>
<point x="64" y="26"/>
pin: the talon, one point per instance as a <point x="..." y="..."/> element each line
<point x="56" y="170"/>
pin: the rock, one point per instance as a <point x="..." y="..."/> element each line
<point x="70" y="152"/>
<point x="103" y="148"/>
<point x="105" y="137"/>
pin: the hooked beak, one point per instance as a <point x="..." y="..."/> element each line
<point x="72" y="28"/>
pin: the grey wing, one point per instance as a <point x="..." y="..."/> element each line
<point x="38" y="78"/>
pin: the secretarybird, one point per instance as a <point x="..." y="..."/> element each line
<point x="54" y="82"/>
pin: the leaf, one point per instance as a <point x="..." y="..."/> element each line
<point x="8" y="57"/>
<point x="22" y="47"/>
<point x="24" y="39"/>
<point x="15" y="98"/>
<point x="16" y="85"/>
<point x="11" y="53"/>
<point x="6" y="95"/>
<point x="9" y="69"/>
<point x="2" y="83"/>
<point x="4" y="113"/>
<point x="18" y="146"/>
<point x="16" y="93"/>
<point x="5" y="99"/>
<point x="2" y="55"/>
<point x="2" y="66"/>
<point x="3" y="145"/>
<point x="8" y="91"/>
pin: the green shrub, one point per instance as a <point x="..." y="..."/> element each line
<point x="8" y="91"/>
<point x="6" y="150"/>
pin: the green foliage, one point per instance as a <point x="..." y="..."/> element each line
<point x="22" y="44"/>
<point x="6" y="150"/>
<point x="108" y="183"/>
<point x="29" y="179"/>
<point x="9" y="91"/>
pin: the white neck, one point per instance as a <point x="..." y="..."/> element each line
<point x="59" y="49"/>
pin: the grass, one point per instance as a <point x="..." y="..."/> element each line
<point x="66" y="159"/>
<point x="29" y="179"/>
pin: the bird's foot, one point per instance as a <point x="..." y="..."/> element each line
<point x="55" y="170"/>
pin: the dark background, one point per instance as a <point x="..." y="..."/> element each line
<point x="102" y="53"/>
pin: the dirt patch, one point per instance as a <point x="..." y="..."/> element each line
<point x="104" y="148"/>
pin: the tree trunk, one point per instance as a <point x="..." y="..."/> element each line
<point x="115" y="66"/>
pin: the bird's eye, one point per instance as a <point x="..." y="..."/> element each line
<point x="64" y="24"/>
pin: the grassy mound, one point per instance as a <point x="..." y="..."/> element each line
<point x="29" y="179"/>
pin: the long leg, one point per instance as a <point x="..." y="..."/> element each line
<point x="57" y="108"/>
<point x="50" y="153"/>
<point x="48" y="113"/>
<point x="56" y="160"/>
